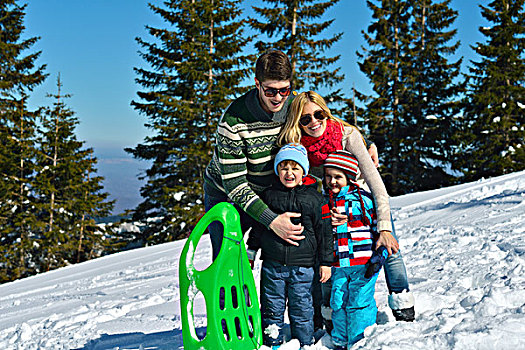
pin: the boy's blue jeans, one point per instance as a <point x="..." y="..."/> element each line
<point x="279" y="284"/>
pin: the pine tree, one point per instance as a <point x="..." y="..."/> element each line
<point x="388" y="38"/>
<point x="70" y="196"/>
<point x="197" y="68"/>
<point x="18" y="76"/>
<point x="411" y="118"/>
<point x="495" y="106"/>
<point x="434" y="88"/>
<point x="91" y="239"/>
<point x="296" y="26"/>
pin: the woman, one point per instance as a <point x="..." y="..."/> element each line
<point x="311" y="123"/>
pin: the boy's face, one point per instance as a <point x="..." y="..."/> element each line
<point x="335" y="179"/>
<point x="290" y="174"/>
<point x="280" y="89"/>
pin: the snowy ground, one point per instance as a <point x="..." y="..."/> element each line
<point x="464" y="247"/>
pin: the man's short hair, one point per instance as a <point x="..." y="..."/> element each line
<point x="273" y="65"/>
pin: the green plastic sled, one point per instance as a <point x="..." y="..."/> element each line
<point x="234" y="321"/>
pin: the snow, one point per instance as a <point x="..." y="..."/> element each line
<point x="178" y="196"/>
<point x="464" y="247"/>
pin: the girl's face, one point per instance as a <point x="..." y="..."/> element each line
<point x="290" y="174"/>
<point x="335" y="179"/>
<point x="315" y="127"/>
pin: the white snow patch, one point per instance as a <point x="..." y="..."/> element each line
<point x="463" y="247"/>
<point x="272" y="331"/>
<point x="178" y="196"/>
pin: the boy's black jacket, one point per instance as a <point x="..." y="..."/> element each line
<point x="304" y="199"/>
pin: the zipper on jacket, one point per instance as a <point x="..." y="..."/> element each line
<point x="291" y="199"/>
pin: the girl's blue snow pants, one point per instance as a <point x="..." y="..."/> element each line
<point x="353" y="304"/>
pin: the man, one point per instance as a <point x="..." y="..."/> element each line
<point x="242" y="162"/>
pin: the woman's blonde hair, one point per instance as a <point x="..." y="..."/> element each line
<point x="291" y="132"/>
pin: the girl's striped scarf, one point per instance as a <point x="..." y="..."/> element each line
<point x="354" y="241"/>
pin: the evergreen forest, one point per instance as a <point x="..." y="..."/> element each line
<point x="436" y="119"/>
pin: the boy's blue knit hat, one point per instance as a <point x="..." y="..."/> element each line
<point x="295" y="152"/>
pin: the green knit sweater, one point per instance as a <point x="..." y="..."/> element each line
<point x="242" y="162"/>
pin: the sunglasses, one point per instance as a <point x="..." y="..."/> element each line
<point x="307" y="118"/>
<point x="271" y="92"/>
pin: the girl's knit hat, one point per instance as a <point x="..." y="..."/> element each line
<point x="344" y="161"/>
<point x="295" y="152"/>
<point x="347" y="162"/>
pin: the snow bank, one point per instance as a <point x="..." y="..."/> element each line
<point x="464" y="247"/>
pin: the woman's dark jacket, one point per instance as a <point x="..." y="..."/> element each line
<point x="304" y="199"/>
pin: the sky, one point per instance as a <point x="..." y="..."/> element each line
<point x="91" y="44"/>
<point x="464" y="248"/>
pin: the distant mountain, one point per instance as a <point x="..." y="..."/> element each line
<point x="120" y="172"/>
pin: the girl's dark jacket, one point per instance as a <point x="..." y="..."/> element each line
<point x="306" y="200"/>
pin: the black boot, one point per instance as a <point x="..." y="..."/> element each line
<point x="402" y="305"/>
<point x="407" y="315"/>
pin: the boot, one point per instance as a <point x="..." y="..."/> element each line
<point x="402" y="305"/>
<point x="407" y="315"/>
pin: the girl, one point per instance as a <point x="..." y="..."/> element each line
<point x="356" y="264"/>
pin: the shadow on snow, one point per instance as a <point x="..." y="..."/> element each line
<point x="167" y="340"/>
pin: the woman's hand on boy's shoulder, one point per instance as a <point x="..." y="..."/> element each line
<point x="387" y="240"/>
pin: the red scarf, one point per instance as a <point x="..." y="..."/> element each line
<point x="319" y="148"/>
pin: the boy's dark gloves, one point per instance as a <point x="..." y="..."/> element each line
<point x="377" y="260"/>
<point x="251" y="256"/>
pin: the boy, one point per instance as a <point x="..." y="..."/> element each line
<point x="356" y="263"/>
<point x="287" y="270"/>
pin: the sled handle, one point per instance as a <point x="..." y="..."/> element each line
<point x="238" y="310"/>
<point x="227" y="215"/>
